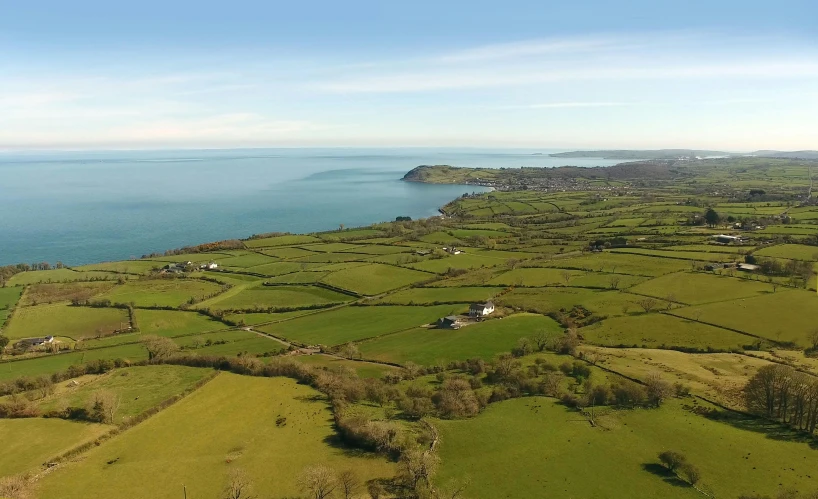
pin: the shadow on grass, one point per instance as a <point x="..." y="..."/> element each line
<point x="336" y="442"/>
<point x="770" y="429"/>
<point x="665" y="474"/>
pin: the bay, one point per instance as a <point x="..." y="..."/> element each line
<point x="88" y="206"/>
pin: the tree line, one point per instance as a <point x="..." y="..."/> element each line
<point x="780" y="393"/>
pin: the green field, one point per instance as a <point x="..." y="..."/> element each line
<point x="355" y="323"/>
<point x="363" y="369"/>
<point x="791" y="251"/>
<point x="621" y="263"/>
<point x="280" y="241"/>
<point x="57" y="275"/>
<point x="161" y="292"/>
<point x="136" y="388"/>
<point x="172" y="323"/>
<point x="536" y="448"/>
<point x="124" y="267"/>
<point x="65" y="320"/>
<point x="429" y="346"/>
<point x="374" y="278"/>
<point x="417" y="296"/>
<point x="29" y="443"/>
<point x="60" y="362"/>
<point x="696" y="288"/>
<point x="261" y="296"/>
<point x="662" y="331"/>
<point x="770" y="316"/>
<point x="547" y="300"/>
<point x="239" y="414"/>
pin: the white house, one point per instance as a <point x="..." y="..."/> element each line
<point x="481" y="309"/>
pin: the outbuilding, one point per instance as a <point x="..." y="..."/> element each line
<point x="481" y="309"/>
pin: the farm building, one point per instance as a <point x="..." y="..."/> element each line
<point x="724" y="239"/>
<point x="33" y="342"/>
<point x="747" y="267"/>
<point x="209" y="266"/>
<point x="452" y="250"/>
<point x="449" y="322"/>
<point x="481" y="309"/>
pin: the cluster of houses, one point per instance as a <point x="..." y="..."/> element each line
<point x="180" y="267"/>
<point x="477" y="311"/>
<point x="452" y="250"/>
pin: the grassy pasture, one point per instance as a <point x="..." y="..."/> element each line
<point x="791" y="251"/>
<point x="287" y="252"/>
<point x="160" y="292"/>
<point x="467" y="260"/>
<point x="331" y="247"/>
<point x="259" y="318"/>
<point x="355" y="323"/>
<point x="542" y="445"/>
<point x="175" y="323"/>
<point x="60" y="362"/>
<point x="28" y="443"/>
<point x="280" y="268"/>
<point x="8" y="298"/>
<point x="64" y="320"/>
<point x="57" y="292"/>
<point x="770" y="316"/>
<point x="239" y="413"/>
<point x="697" y="288"/>
<point x="683" y="255"/>
<point x="279" y="297"/>
<point x="241" y="344"/>
<point x="286" y="240"/>
<point x="437" y="295"/>
<point x="123" y="267"/>
<point x="247" y="260"/>
<point x="710" y="248"/>
<point x="137" y="388"/>
<point x="717" y="376"/>
<point x="374" y="278"/>
<point x="662" y="331"/>
<point x="428" y="346"/>
<point x="376" y="249"/>
<point x="621" y="263"/>
<point x="307" y="277"/>
<point x="56" y="275"/>
<point x="545" y="300"/>
<point x="543" y="276"/>
<point x="350" y="234"/>
<point x="364" y="369"/>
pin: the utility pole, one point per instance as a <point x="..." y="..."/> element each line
<point x="185" y="489"/>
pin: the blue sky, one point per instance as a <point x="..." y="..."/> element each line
<point x="582" y="74"/>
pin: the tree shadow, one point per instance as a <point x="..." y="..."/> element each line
<point x="665" y="474"/>
<point x="770" y="429"/>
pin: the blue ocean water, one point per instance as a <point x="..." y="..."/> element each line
<point x="85" y="207"/>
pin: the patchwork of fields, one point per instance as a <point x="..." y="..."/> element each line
<point x="606" y="289"/>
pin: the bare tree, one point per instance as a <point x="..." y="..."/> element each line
<point x="512" y="263"/>
<point x="318" y="481"/>
<point x="647" y="304"/>
<point x="813" y="339"/>
<point x="657" y="389"/>
<point x="566" y="277"/>
<point x="670" y="299"/>
<point x="614" y="281"/>
<point x="238" y="485"/>
<point x="418" y="467"/>
<point x="349" y="483"/>
<point x="453" y="490"/>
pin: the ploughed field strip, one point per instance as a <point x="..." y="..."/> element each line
<point x="631" y="306"/>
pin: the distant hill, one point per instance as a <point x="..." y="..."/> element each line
<point x="652" y="154"/>
<point x="629" y="154"/>
<point x="787" y="154"/>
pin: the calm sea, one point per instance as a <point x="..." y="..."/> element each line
<point x="84" y="207"/>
